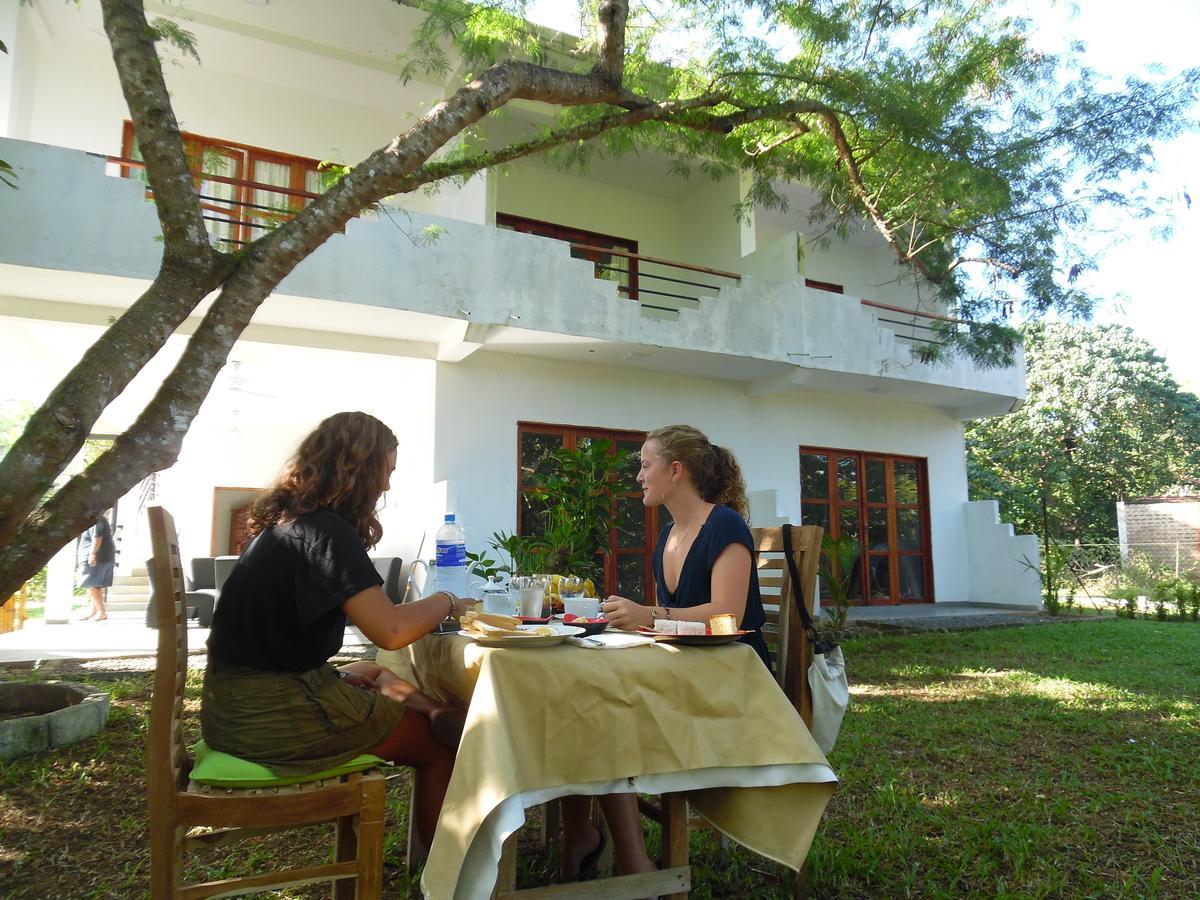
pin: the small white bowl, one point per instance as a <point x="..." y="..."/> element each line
<point x="586" y="607"/>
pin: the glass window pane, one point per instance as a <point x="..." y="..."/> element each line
<point x="536" y="450"/>
<point x="847" y="478"/>
<point x="848" y="522"/>
<point x="876" y="481"/>
<point x="533" y="515"/>
<point x="812" y="514"/>
<point x="912" y="578"/>
<point x="880" y="578"/>
<point x="908" y="529"/>
<point x="631" y="576"/>
<point x="814" y="476"/>
<point x="877" y="530"/>
<point x="905" y="475"/>
<point x="631" y="521"/>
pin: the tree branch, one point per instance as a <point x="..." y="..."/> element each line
<point x="140" y="72"/>
<point x="610" y="66"/>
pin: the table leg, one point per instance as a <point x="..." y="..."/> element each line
<point x="675" y="834"/>
<point x="506" y="876"/>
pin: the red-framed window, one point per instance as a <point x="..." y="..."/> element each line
<point x="251" y="187"/>
<point x="621" y="269"/>
<point x="881" y="500"/>
<point x="628" y="570"/>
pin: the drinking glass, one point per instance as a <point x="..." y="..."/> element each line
<point x="530" y="593"/>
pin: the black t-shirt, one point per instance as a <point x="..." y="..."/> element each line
<point x="281" y="607"/>
<point x="722" y="528"/>
<point x="107" y="551"/>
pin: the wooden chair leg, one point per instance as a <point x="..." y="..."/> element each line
<point x="802" y="887"/>
<point x="166" y="860"/>
<point x="345" y="849"/>
<point x="551" y="823"/>
<point x="415" y="851"/>
<point x="370" y="840"/>
<point x="675" y="834"/>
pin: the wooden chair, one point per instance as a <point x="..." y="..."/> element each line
<point x="353" y="803"/>
<point x="791" y="653"/>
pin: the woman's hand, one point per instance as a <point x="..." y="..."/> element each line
<point x="458" y="605"/>
<point x="625" y="614"/>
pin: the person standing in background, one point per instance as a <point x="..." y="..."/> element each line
<point x="96" y="570"/>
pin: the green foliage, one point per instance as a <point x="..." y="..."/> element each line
<point x="982" y="160"/>
<point x="1055" y="574"/>
<point x="838" y="556"/>
<point x="175" y="36"/>
<point x="576" y="488"/>
<point x="1104" y="419"/>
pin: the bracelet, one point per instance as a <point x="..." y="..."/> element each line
<point x="451" y="598"/>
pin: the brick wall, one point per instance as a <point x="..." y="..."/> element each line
<point x="1161" y="528"/>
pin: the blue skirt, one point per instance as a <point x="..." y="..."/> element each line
<point x="98" y="576"/>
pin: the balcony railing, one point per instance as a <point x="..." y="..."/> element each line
<point x="238" y="219"/>
<point x="911" y="325"/>
<point x="668" y="292"/>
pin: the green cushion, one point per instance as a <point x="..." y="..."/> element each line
<point x="222" y="770"/>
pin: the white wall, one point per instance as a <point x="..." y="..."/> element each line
<point x="1004" y="566"/>
<point x="536" y="192"/>
<point x="480" y="400"/>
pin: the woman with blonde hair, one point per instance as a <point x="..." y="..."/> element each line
<point x="270" y="694"/>
<point x="703" y="566"/>
<point x="703" y="563"/>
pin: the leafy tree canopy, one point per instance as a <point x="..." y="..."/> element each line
<point x="934" y="121"/>
<point x="1104" y="419"/>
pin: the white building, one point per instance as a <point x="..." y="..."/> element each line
<point x="487" y="341"/>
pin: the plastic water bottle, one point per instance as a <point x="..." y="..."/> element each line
<point x="452" y="558"/>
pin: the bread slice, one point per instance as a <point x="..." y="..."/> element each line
<point x="691" y="627"/>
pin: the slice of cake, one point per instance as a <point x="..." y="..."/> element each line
<point x="723" y="624"/>
<point x="666" y="626"/>
<point x="691" y="627"/>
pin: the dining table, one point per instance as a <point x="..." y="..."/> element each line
<point x="646" y="716"/>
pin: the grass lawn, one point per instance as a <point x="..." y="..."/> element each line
<point x="1057" y="759"/>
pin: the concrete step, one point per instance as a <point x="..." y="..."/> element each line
<point x="137" y="590"/>
<point x="140" y="572"/>
<point x="126" y="604"/>
<point x="131" y="579"/>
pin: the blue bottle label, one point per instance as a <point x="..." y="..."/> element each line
<point x="451" y="554"/>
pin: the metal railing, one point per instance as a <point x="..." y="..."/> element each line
<point x="675" y="290"/>
<point x="912" y="325"/>
<point x="241" y="216"/>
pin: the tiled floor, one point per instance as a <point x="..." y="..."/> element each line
<point x="124" y="634"/>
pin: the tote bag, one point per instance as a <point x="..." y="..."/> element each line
<point x="827" y="675"/>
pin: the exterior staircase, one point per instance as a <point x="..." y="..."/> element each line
<point x="130" y="593"/>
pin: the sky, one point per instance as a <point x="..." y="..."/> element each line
<point x="1144" y="281"/>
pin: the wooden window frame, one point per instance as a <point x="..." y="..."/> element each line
<point x="829" y="286"/>
<point x="243" y="230"/>
<point x="571" y="235"/>
<point x="570" y="435"/>
<point x="834" y="503"/>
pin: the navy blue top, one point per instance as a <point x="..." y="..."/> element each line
<point x="722" y="528"/>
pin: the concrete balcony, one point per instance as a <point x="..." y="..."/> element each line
<point x="77" y="244"/>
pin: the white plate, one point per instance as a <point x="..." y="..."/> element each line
<point x="530" y="639"/>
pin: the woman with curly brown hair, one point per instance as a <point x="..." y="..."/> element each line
<point x="270" y="694"/>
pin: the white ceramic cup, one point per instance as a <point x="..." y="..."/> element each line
<point x="586" y="607"/>
<point x="498" y="600"/>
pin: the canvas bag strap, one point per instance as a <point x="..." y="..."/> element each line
<point x="819" y="645"/>
<point x="797" y="590"/>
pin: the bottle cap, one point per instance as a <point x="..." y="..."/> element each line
<point x="449" y="517"/>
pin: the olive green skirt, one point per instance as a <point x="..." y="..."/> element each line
<point x="294" y="723"/>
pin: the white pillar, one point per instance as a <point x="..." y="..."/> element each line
<point x="60" y="586"/>
<point x="9" y="13"/>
